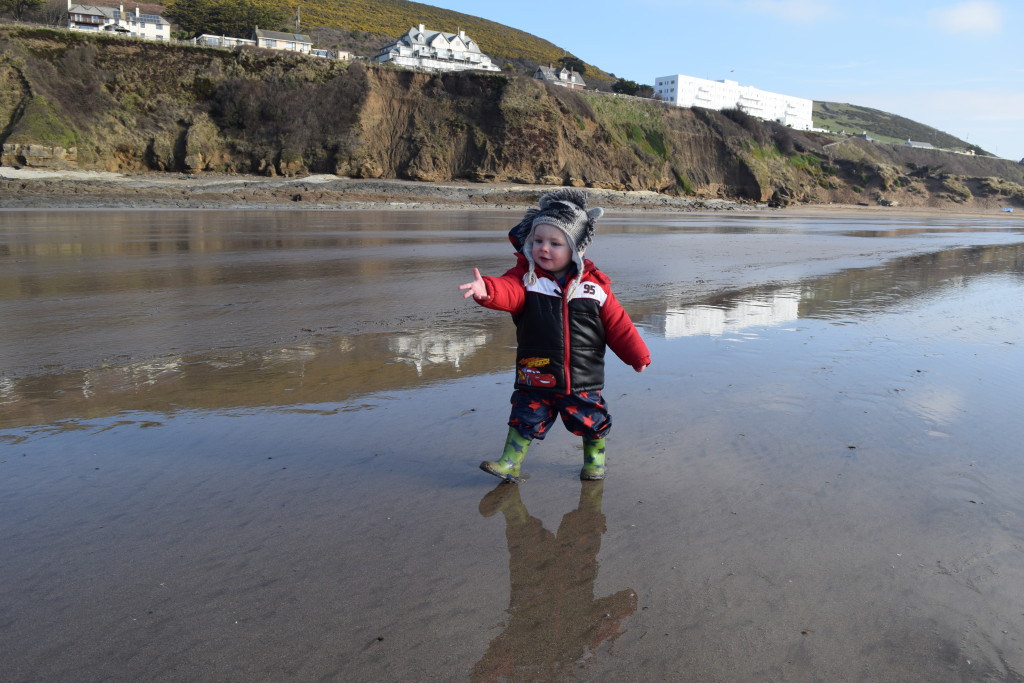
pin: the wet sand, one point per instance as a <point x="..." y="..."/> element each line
<point x="242" y="446"/>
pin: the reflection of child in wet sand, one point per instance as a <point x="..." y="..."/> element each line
<point x="555" y="620"/>
<point x="565" y="316"/>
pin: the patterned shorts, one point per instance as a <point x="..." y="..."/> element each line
<point x="584" y="414"/>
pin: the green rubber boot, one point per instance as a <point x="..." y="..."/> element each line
<point x="593" y="460"/>
<point x="507" y="466"/>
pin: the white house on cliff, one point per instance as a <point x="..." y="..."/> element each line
<point x="289" y="42"/>
<point x="687" y="91"/>
<point x="561" y="76"/>
<point x="436" y="51"/>
<point x="108" y="19"/>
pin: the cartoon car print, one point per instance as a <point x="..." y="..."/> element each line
<point x="531" y="377"/>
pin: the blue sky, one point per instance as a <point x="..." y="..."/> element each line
<point x="954" y="65"/>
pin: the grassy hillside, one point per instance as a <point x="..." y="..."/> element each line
<point x="377" y="21"/>
<point x="883" y="126"/>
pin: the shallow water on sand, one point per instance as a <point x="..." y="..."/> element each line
<point x="243" y="446"/>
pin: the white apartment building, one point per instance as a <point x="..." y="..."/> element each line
<point x="687" y="91"/>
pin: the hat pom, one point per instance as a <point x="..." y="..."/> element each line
<point x="568" y="195"/>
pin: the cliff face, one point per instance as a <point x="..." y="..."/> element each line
<point x="92" y="102"/>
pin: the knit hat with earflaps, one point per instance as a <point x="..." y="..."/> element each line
<point x="567" y="211"/>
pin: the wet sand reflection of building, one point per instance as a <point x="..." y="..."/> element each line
<point x="769" y="309"/>
<point x="433" y="347"/>
<point x="847" y="295"/>
<point x="555" y="623"/>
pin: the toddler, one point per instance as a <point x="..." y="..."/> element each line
<point x="565" y="315"/>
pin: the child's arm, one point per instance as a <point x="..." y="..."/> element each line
<point x="622" y="336"/>
<point x="505" y="293"/>
<point x="477" y="288"/>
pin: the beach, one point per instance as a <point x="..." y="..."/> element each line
<point x="23" y="188"/>
<point x="53" y="188"/>
<point x="241" y="443"/>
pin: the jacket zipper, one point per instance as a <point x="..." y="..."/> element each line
<point x="565" y="342"/>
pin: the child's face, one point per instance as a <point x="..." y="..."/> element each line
<point x="550" y="249"/>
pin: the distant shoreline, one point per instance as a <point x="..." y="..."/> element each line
<point x="22" y="188"/>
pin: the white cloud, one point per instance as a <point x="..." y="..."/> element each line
<point x="977" y="18"/>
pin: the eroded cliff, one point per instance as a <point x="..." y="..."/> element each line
<point x="70" y="100"/>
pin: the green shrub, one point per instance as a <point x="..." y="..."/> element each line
<point x="685" y="184"/>
<point x="998" y="187"/>
<point x="807" y="163"/>
<point x="650" y="141"/>
<point x="41" y="123"/>
<point x="957" y="190"/>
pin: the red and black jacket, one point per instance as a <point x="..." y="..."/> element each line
<point x="562" y="341"/>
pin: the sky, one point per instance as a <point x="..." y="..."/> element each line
<point x="954" y="65"/>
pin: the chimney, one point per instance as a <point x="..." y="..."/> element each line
<point x="136" y="11"/>
<point x="422" y="28"/>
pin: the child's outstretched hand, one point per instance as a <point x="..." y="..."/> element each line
<point x="477" y="288"/>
